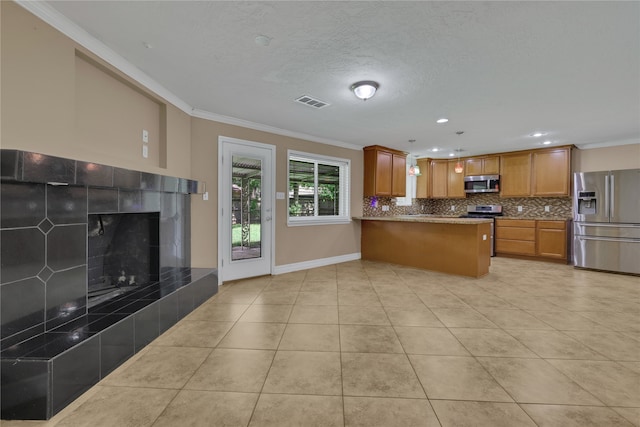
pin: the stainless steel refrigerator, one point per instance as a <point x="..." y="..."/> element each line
<point x="606" y="214"/>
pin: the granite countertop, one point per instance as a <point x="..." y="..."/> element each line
<point x="539" y="218"/>
<point x="426" y="218"/>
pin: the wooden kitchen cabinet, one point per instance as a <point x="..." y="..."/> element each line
<point x="385" y="172"/>
<point x="423" y="182"/>
<point x="515" y="175"/>
<point x="445" y="182"/>
<point x="455" y="182"/>
<point x="541" y="239"/>
<point x="482" y="166"/>
<point x="551" y="172"/>
<point x="516" y="237"/>
<point x="399" y="172"/>
<point x="439" y="178"/>
<point x="551" y="239"/>
<point x="538" y="173"/>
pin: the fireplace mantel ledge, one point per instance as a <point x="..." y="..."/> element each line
<point x="24" y="166"/>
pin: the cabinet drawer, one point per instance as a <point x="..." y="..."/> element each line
<point x="515" y="247"/>
<point x="558" y="225"/>
<point x="525" y="223"/>
<point x="516" y="233"/>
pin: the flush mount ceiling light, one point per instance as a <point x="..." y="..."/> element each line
<point x="365" y="89"/>
<point x="538" y="134"/>
<point x="442" y="120"/>
<point x="546" y="143"/>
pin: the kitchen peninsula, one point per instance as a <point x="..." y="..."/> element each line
<point x="451" y="245"/>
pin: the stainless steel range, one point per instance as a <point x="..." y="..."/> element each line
<point x="485" y="211"/>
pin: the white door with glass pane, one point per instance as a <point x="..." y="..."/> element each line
<point x="245" y="208"/>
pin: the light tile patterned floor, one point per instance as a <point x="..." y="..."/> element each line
<point x="372" y="344"/>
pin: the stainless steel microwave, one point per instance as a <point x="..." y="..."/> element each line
<point x="482" y="184"/>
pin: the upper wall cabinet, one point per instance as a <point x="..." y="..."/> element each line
<point x="482" y="166"/>
<point x="551" y="172"/>
<point x="515" y="175"/>
<point x="445" y="182"/>
<point x="543" y="173"/>
<point x="423" y="182"/>
<point x="385" y="172"/>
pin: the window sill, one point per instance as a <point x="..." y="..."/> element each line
<point x="317" y="221"/>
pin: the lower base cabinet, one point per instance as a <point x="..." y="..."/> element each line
<point x="543" y="239"/>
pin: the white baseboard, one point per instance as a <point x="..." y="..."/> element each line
<point x="288" y="268"/>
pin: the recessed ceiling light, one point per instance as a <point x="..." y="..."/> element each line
<point x="452" y="154"/>
<point x="538" y="134"/>
<point x="435" y="150"/>
<point x="262" y="40"/>
<point x="546" y="143"/>
<point x="442" y="120"/>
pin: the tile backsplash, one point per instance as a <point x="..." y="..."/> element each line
<point x="532" y="207"/>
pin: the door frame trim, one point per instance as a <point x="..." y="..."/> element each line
<point x="272" y="197"/>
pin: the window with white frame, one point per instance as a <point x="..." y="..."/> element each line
<point x="318" y="189"/>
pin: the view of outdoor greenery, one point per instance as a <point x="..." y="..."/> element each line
<point x="304" y="194"/>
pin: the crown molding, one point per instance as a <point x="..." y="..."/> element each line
<point x="271" y="129"/>
<point x="61" y="23"/>
<point x="588" y="146"/>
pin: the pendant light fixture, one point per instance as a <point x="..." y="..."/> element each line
<point x="414" y="169"/>
<point x="459" y="168"/>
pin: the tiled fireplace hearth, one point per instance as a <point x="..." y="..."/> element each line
<point x="95" y="264"/>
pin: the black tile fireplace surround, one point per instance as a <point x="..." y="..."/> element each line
<point x="54" y="344"/>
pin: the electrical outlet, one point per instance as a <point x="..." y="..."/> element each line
<point x="453" y="208"/>
<point x="385" y="208"/>
<point x="280" y="195"/>
<point x="519" y="208"/>
<point x="145" y="136"/>
<point x="145" y="151"/>
<point x="547" y="208"/>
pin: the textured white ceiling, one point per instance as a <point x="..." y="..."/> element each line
<point x="498" y="70"/>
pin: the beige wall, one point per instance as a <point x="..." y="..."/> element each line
<point x="293" y="244"/>
<point x="607" y="158"/>
<point x="58" y="99"/>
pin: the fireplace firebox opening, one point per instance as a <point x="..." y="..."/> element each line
<point x="123" y="254"/>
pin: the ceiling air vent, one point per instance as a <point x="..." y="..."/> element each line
<point x="312" y="102"/>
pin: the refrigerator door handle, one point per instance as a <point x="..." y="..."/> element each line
<point x="606" y="224"/>
<point x="610" y="239"/>
<point x="606" y="197"/>
<point x="612" y="191"/>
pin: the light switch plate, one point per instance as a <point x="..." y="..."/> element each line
<point x="145" y="151"/>
<point x="145" y="136"/>
<point x="280" y="195"/>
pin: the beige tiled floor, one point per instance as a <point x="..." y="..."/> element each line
<point x="371" y="344"/>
